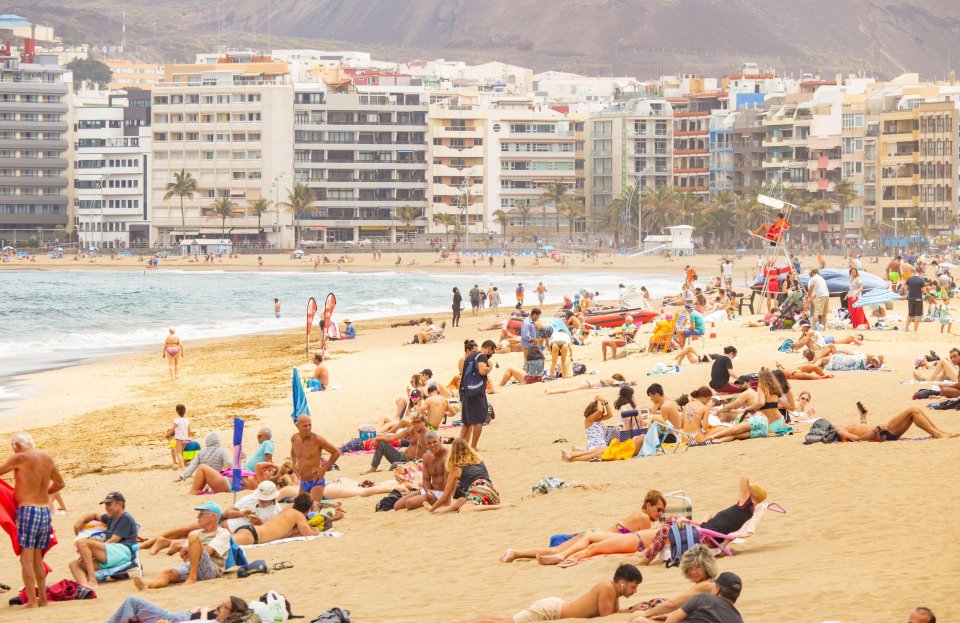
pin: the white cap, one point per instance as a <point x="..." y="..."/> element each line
<point x="266" y="491"/>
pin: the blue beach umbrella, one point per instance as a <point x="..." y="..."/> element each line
<point x="236" y="481"/>
<point x="300" y="406"/>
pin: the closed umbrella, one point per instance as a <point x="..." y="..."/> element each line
<point x="236" y="480"/>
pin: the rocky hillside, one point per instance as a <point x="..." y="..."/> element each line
<point x="639" y="37"/>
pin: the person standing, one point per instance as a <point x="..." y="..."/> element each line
<point x="181" y="434"/>
<point x="493" y="296"/>
<point x="36" y="479"/>
<point x="726" y="270"/>
<point x="474" y="295"/>
<point x="819" y="296"/>
<point x="541" y="292"/>
<point x="457" y="300"/>
<point x="915" y="288"/>
<point x="473" y="391"/>
<point x="307" y="448"/>
<point x="172" y="351"/>
<point x="276" y="308"/>
<point x="857" y="317"/>
<point x="520" y="293"/>
<point x="529" y="331"/>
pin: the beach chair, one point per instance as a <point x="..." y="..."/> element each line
<point x="719" y="543"/>
<point x="683" y="439"/>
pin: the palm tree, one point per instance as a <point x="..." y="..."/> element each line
<point x="299" y="201"/>
<point x="618" y="214"/>
<point x="448" y="221"/>
<point x="183" y="185"/>
<point x="554" y="193"/>
<point x="223" y="207"/>
<point x="524" y="210"/>
<point x="407" y="215"/>
<point x="258" y="207"/>
<point x="662" y="206"/>
<point x="574" y="210"/>
<point x="688" y="205"/>
<point x="502" y="219"/>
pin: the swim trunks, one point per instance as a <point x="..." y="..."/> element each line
<point x="252" y="530"/>
<point x="894" y="277"/>
<point x="886" y="435"/>
<point x="307" y="485"/>
<point x="759" y="426"/>
<point x="117" y="554"/>
<point x="206" y="569"/>
<point x="33" y="526"/>
<point x="546" y="609"/>
<point x="482" y="493"/>
<point x="780" y="427"/>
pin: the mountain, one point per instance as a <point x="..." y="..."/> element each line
<point x="632" y="37"/>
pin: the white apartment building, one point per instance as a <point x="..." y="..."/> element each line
<point x="230" y="126"/>
<point x="111" y="178"/>
<point x="364" y="156"/>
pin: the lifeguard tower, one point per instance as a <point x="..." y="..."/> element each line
<point x="678" y="242"/>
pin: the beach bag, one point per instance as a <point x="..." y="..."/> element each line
<point x="333" y="615"/>
<point x="785" y="346"/>
<point x="535" y="362"/>
<point x="579" y="368"/>
<point x="472" y="384"/>
<point x="822" y="431"/>
<point x="386" y="503"/>
<point x="619" y="450"/>
<point x="952" y="403"/>
<point x="682" y="538"/>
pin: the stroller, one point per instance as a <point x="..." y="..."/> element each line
<point x="785" y="314"/>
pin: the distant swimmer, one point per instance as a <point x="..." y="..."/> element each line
<point x="172" y="351"/>
<point x="276" y="307"/>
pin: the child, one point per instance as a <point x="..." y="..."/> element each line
<point x="179" y="434"/>
<point x="943" y="313"/>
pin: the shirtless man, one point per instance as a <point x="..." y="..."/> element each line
<point x="943" y="369"/>
<point x="36" y="479"/>
<point x="306" y="448"/>
<point x="747" y="397"/>
<point x="289" y="522"/>
<point x="600" y="601"/>
<point x="436" y="408"/>
<point x="417" y="445"/>
<point x="320" y="374"/>
<point x="665" y="407"/>
<point x="892" y="430"/>
<point x="434" y="475"/>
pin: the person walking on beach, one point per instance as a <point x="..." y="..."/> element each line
<point x="457" y="301"/>
<point x="172" y="351"/>
<point x="276" y="308"/>
<point x="307" y="448"/>
<point x="36" y="479"/>
<point x="541" y="292"/>
<point x="473" y="391"/>
<point x="260" y="262"/>
<point x="520" y="294"/>
<point x="494" y="297"/>
<point x="474" y="295"/>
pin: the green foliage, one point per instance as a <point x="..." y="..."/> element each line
<point x="89" y="70"/>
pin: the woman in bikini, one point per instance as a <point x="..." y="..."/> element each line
<point x="617" y="380"/>
<point x="767" y="419"/>
<point x="172" y="351"/>
<point x="219" y="482"/>
<point x="695" y="409"/>
<point x="600" y="544"/>
<point x="654" y="504"/>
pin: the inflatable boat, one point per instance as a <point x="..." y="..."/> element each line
<point x="838" y="280"/>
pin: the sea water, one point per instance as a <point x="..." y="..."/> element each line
<point x="58" y="318"/>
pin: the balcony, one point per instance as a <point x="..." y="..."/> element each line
<point x="445" y="151"/>
<point x="700" y="151"/>
<point x="692" y="133"/>
<point x="692" y="189"/>
<point x="691" y="171"/>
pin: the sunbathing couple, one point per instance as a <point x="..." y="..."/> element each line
<point x="893" y="430"/>
<point x="770" y="406"/>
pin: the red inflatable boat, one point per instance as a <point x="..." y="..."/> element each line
<point x="610" y="318"/>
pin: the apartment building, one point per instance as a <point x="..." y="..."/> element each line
<point x="938" y="165"/>
<point x="364" y="156"/>
<point x="457" y="126"/>
<point x="34" y="148"/>
<point x="858" y="159"/>
<point x="691" y="152"/>
<point x="131" y="74"/>
<point x="898" y="157"/>
<point x="229" y="125"/>
<point x="111" y="178"/>
<point x="630" y="147"/>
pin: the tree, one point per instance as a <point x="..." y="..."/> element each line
<point x="407" y="215"/>
<point x="502" y="219"/>
<point x="661" y="205"/>
<point x="258" y="207"/>
<point x="574" y="210"/>
<point x="524" y="210"/>
<point x="818" y="210"/>
<point x="448" y="221"/>
<point x="554" y="193"/>
<point x="89" y="70"/>
<point x="183" y="185"/>
<point x="299" y="202"/>
<point x="224" y="208"/>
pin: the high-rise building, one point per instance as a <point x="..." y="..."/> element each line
<point x="112" y="174"/>
<point x="131" y="74"/>
<point x="364" y="156"/>
<point x="230" y="126"/>
<point x="938" y="166"/>
<point x="34" y="148"/>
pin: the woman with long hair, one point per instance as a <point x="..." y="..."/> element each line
<point x="596" y="412"/>
<point x="767" y="419"/>
<point x="857" y="317"/>
<point x="468" y="476"/>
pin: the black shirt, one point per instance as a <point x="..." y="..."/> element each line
<point x="457" y="299"/>
<point x="720" y="372"/>
<point x="484" y="359"/>
<point x="730" y="519"/>
<point x="915" y="287"/>
<point x="470" y="474"/>
<point x="708" y="608"/>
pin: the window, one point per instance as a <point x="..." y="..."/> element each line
<point x="853" y="120"/>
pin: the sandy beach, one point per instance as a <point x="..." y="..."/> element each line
<point x="864" y="538"/>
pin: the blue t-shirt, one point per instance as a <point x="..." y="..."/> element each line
<point x="259" y="455"/>
<point x="528" y="332"/>
<point x="350" y="332"/>
<point x="697" y="319"/>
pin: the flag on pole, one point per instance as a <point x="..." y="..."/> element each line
<point x="311" y="310"/>
<point x="300" y="406"/>
<point x="236" y="481"/>
<point x="328" y="307"/>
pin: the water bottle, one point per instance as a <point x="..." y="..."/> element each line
<point x="676" y="367"/>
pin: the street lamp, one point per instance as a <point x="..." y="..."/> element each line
<point x="635" y="191"/>
<point x="895" y="172"/>
<point x="465" y="196"/>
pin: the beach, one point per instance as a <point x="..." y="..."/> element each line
<point x="859" y="541"/>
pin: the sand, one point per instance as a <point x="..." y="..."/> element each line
<point x="866" y="538"/>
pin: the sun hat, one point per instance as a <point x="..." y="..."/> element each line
<point x="266" y="490"/>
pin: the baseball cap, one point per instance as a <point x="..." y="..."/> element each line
<point x="416" y="393"/>
<point x="730" y="585"/>
<point x="432" y="384"/>
<point x="209" y="507"/>
<point x="114" y="496"/>
<point x="426" y="372"/>
<point x="266" y="490"/>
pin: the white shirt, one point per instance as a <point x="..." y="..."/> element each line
<point x="819" y="286"/>
<point x="726" y="268"/>
<point x="250" y="502"/>
<point x="181" y="429"/>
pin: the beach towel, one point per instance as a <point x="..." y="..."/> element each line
<point x="8" y="520"/>
<point x="650" y="441"/>
<point x="619" y="450"/>
<point x="335" y="535"/>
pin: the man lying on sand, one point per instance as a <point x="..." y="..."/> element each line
<point x="288" y="523"/>
<point x="892" y="430"/>
<point x="653" y="506"/>
<point x="600" y="601"/>
<point x="137" y="610"/>
<point x="714" y="606"/>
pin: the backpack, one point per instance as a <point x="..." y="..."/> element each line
<point x="822" y="431"/>
<point x="472" y="384"/>
<point x="681" y="538"/>
<point x="579" y="368"/>
<point x="785" y="346"/>
<point x="923" y="394"/>
<point x="386" y="503"/>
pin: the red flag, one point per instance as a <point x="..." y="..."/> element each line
<point x="327" y="313"/>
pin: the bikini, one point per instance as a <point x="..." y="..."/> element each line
<point x="173" y="349"/>
<point x="307" y="485"/>
<point x="252" y="530"/>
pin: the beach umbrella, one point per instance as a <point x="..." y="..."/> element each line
<point x="300" y="406"/>
<point x="876" y="298"/>
<point x="236" y="480"/>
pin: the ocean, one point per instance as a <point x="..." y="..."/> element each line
<point x="51" y="319"/>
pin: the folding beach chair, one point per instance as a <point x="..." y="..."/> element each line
<point x="683" y="439"/>
<point x="719" y="543"/>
